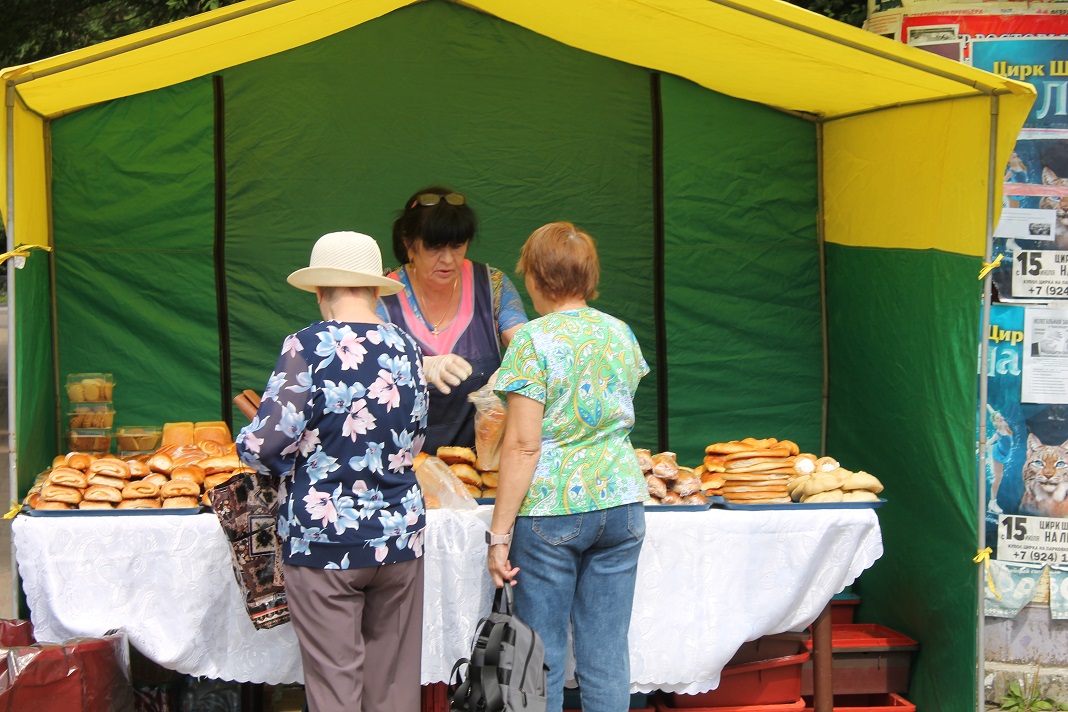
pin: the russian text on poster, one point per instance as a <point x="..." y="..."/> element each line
<point x="1036" y="540"/>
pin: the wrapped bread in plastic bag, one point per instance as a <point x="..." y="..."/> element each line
<point x="441" y="488"/>
<point x="489" y="426"/>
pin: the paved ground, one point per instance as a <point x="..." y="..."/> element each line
<point x="8" y="602"/>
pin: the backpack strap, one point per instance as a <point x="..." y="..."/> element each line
<point x="491" y="685"/>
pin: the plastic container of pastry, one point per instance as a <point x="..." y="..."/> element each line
<point x="93" y="416"/>
<point x="90" y="387"/>
<point x="138" y="438"/>
<point x="89" y="440"/>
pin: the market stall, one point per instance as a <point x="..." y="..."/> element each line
<point x="774" y="194"/>
<point x="168" y="582"/>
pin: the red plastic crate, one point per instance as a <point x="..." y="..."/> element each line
<point x="664" y="704"/>
<point x="764" y="682"/>
<point x="843" y="609"/>
<point x="866" y="659"/>
<point x="867" y="703"/>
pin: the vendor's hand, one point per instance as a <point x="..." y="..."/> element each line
<point x="446" y="370"/>
<point x="500" y="568"/>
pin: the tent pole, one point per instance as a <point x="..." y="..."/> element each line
<point x="993" y="186"/>
<point x="821" y="242"/>
<point x="12" y="420"/>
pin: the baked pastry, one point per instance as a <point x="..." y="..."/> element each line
<point x="138" y="468"/>
<point x="157" y="479"/>
<point x="61" y="493"/>
<point x="110" y="466"/>
<point x="431" y="501"/>
<point x="214" y="431"/>
<point x="859" y="496"/>
<point x="181" y="503"/>
<point x="418" y="460"/>
<point x="59" y="461"/>
<point x="48" y="504"/>
<point x="211" y="448"/>
<point x="161" y="462"/>
<point x="489" y="493"/>
<point x="139" y="489"/>
<point x="179" y="488"/>
<point x="193" y="473"/>
<point x="645" y="459"/>
<point x="187" y="455"/>
<point x="826" y="464"/>
<point x="490" y="480"/>
<point x="141" y="503"/>
<point x="78" y="460"/>
<point x="68" y="476"/>
<point x="213" y="481"/>
<point x="685" y="483"/>
<point x="656" y="486"/>
<point x="467" y="474"/>
<point x="805" y="463"/>
<point x="107" y="481"/>
<point x="773" y="475"/>
<point x="95" y="504"/>
<point x="820" y="482"/>
<point x="862" y="481"/>
<point x="474" y="490"/>
<point x="665" y="466"/>
<point x="695" y="498"/>
<point x="101" y="493"/>
<point x="834" y="495"/>
<point x="671" y="498"/>
<point x="489" y="426"/>
<point x="456" y="455"/>
<point x="715" y="463"/>
<point x="178" y="434"/>
<point x="222" y="463"/>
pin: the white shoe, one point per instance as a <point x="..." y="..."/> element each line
<point x="994" y="507"/>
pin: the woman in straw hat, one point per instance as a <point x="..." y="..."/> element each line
<point x="339" y="422"/>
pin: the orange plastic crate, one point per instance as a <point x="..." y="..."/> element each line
<point x="867" y="703"/>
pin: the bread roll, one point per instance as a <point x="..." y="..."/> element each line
<point x="489" y="493"/>
<point x="110" y="466"/>
<point x="490" y="479"/>
<point x="157" y="479"/>
<point x="223" y="463"/>
<point x="790" y="446"/>
<point x="645" y="459"/>
<point x="456" y="455"/>
<point x="33" y="499"/>
<point x="467" y="474"/>
<point x="859" y="496"/>
<point x="431" y="501"/>
<point x="695" y="498"/>
<point x="59" y="461"/>
<point x="805" y="463"/>
<point x="68" y="477"/>
<point x="685" y="484"/>
<point x="475" y="491"/>
<point x="179" y="488"/>
<point x="95" y="504"/>
<point x="489" y="427"/>
<point x="138" y="468"/>
<point x="142" y="503"/>
<point x="834" y="495"/>
<point x="181" y="503"/>
<point x="665" y="466"/>
<point x="209" y="448"/>
<point x="862" y="481"/>
<point x="139" y="489"/>
<point x="656" y="486"/>
<point x="820" y="482"/>
<point x="61" y="493"/>
<point x="712" y="480"/>
<point x="78" y="460"/>
<point x="193" y="473"/>
<point x="45" y="504"/>
<point x="187" y="455"/>
<point x="161" y="462"/>
<point x="100" y="493"/>
<point x="715" y="463"/>
<point x="418" y="460"/>
<point x="178" y="434"/>
<point x="106" y="481"/>
<point x="826" y="464"/>
<point x="213" y="481"/>
<point x="671" y="498"/>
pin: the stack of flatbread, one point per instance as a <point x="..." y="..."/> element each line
<point x="749" y="471"/>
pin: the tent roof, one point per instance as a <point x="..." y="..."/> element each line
<point x="766" y="51"/>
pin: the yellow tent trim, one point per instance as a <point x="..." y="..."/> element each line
<point x="764" y="51"/>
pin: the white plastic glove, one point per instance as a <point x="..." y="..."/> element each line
<point x="446" y="370"/>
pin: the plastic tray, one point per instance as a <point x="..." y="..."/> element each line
<point x="666" y="703"/>
<point x="30" y="512"/>
<point x="677" y="507"/>
<point x="486" y="500"/>
<point x="808" y="505"/>
<point x="867" y="703"/>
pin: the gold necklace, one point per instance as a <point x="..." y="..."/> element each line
<point x="434" y="327"/>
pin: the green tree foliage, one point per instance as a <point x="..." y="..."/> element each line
<point x="35" y="29"/>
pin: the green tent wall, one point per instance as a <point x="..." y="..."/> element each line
<point x="177" y="214"/>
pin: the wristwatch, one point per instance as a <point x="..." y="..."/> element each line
<point x="493" y="539"/>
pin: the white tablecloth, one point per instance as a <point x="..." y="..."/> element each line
<point x="707" y="582"/>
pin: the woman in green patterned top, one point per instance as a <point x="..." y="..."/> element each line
<point x="570" y="483"/>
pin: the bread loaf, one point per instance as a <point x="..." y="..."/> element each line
<point x="179" y="488"/>
<point x="95" y="504"/>
<point x="69" y="477"/>
<point x="178" y="434"/>
<point x="78" y="460"/>
<point x="110" y="466"/>
<point x="102" y="493"/>
<point x="181" y="503"/>
<point x="193" y="473"/>
<point x="61" y="493"/>
<point x="139" y="489"/>
<point x="141" y="503"/>
<point x="223" y="463"/>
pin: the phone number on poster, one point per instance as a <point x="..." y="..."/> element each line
<point x="1037" y="540"/>
<point x="1040" y="273"/>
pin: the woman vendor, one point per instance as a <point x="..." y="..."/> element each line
<point x="462" y="313"/>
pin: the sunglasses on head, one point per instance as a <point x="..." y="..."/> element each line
<point x="429" y="199"/>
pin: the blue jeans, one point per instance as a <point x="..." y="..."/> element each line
<point x="581" y="568"/>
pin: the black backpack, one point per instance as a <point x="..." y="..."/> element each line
<point x="506" y="671"/>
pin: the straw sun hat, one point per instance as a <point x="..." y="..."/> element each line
<point x="344" y="259"/>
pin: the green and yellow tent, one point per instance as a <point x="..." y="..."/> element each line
<point x="792" y="215"/>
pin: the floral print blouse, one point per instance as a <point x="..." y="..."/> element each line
<point x="343" y="415"/>
<point x="584" y="366"/>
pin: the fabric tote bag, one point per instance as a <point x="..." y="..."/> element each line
<point x="247" y="508"/>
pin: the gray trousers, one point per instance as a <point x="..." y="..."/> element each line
<point x="361" y="635"/>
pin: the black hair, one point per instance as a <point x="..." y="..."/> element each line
<point x="1055" y="157"/>
<point x="435" y="226"/>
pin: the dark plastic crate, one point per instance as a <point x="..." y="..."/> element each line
<point x="866" y="659"/>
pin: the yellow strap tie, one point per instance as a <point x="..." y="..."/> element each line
<point x="13" y="512"/>
<point x="987" y="268"/>
<point x="22" y="251"/>
<point x="984" y="556"/>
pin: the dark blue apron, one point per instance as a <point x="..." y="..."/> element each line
<point x="451" y="420"/>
